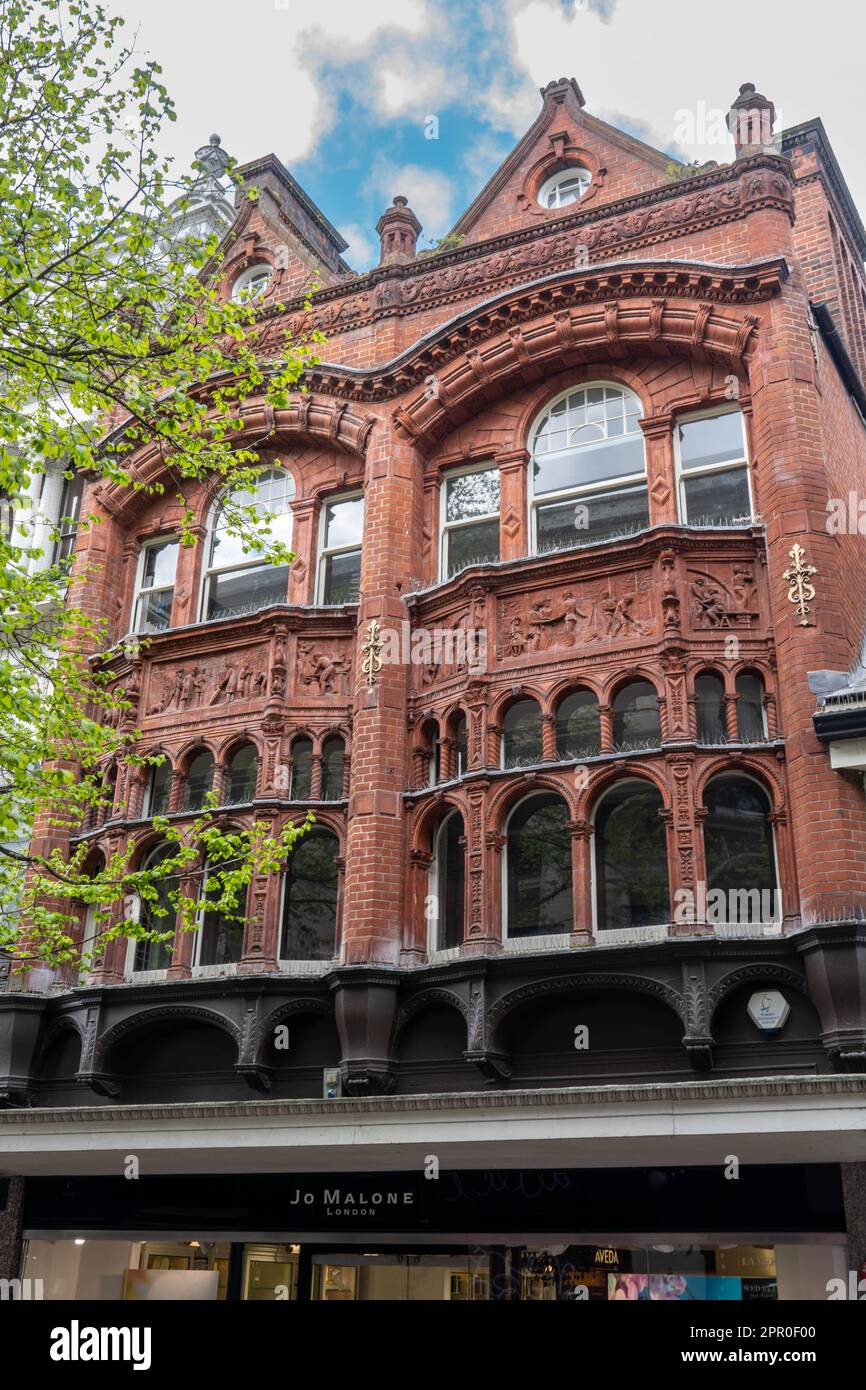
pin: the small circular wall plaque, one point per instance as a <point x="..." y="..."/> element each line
<point x="769" y="1010"/>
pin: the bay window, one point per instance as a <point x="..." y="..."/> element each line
<point x="470" y="519"/>
<point x="340" y="551"/>
<point x="238" y="580"/>
<point x="154" y="590"/>
<point x="713" y="469"/>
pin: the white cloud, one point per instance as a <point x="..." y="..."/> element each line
<point x="363" y="249"/>
<point x="429" y="191"/>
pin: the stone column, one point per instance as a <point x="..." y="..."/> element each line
<point x="191" y="563"/>
<point x="548" y="738"/>
<point x="415" y="948"/>
<point x="513" y="539"/>
<point x="262" y="934"/>
<point x="302" y="575"/>
<point x="662" y="497"/>
<point x="482" y="922"/>
<point x="582" y="832"/>
<point x="605" y="716"/>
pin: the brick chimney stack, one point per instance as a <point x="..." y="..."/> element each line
<point x="398" y="228"/>
<point x="750" y="121"/>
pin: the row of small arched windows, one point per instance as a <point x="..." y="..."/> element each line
<point x="238" y="782"/>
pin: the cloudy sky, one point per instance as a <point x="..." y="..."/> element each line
<point x="343" y="91"/>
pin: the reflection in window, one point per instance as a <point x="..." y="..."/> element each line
<point x="588" y="468"/>
<point x="470" y="529"/>
<point x="155" y="592"/>
<point x="70" y="514"/>
<point x="237" y="579"/>
<point x="310" y="902"/>
<point x="631" y="861"/>
<point x="578" y="726"/>
<point x="538" y="868"/>
<point x="450" y="882"/>
<point x="333" y="758"/>
<point x="221" y="934"/>
<point x="302" y="769"/>
<point x="340" y="563"/>
<point x="461" y="747"/>
<point x="751" y="725"/>
<point x="242" y="776"/>
<point x="157" y="914"/>
<point x="521" y="734"/>
<point x="159" y="789"/>
<point x="714" y="474"/>
<point x="738" y="844"/>
<point x="199" y="781"/>
<point x="710" y="707"/>
<point x="636" y="716"/>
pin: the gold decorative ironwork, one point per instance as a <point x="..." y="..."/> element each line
<point x="800" y="591"/>
<point x="371" y="662"/>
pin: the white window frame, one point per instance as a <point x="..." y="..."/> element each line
<point x="446" y="526"/>
<point x="141" y="590"/>
<point x="555" y="181"/>
<point x="684" y="474"/>
<point x="247" y="277"/>
<point x="616" y="935"/>
<point x="433" y="947"/>
<point x="326" y="552"/>
<point x="629" y="480"/>
<point x="775" y="925"/>
<point x="210" y="571"/>
<point x="228" y="967"/>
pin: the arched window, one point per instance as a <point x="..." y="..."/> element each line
<point x="566" y="186"/>
<point x="431" y="751"/>
<point x="449" y="874"/>
<point x="578" y="726"/>
<point x="738" y="846"/>
<point x="252" y="282"/>
<point x="333" y="758"/>
<point x="199" y="781"/>
<point x="636" y="716"/>
<point x="710" y="707"/>
<point x="461" y="746"/>
<point x="631" y="859"/>
<point x="237" y="579"/>
<point x="302" y="769"/>
<point x="751" y="725"/>
<point x="158" y="789"/>
<point x="538" y="868"/>
<point x="220" y="934"/>
<point x="243" y="772"/>
<point x="310" y="899"/>
<point x="157" y="914"/>
<point x="588" y="468"/>
<point x="521" y="734"/>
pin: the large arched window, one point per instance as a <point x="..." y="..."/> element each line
<point x="158" y="913"/>
<point x="521" y="734"/>
<point x="237" y="579"/>
<point x="302" y="769"/>
<point x="449" y="882"/>
<point x="199" y="781"/>
<point x="636" y="716"/>
<point x="631" y="860"/>
<point x="738" y="846"/>
<point x="333" y="759"/>
<point x="751" y="725"/>
<point x="242" y="775"/>
<point x="220" y="934"/>
<point x="538" y="868"/>
<point x="578" y="727"/>
<point x="310" y="898"/>
<point x="588" y="468"/>
<point x="710" y="707"/>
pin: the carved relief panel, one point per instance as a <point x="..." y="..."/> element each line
<point x="589" y="613"/>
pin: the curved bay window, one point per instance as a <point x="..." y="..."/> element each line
<point x="538" y="868"/>
<point x="578" y="725"/>
<point x="302" y="769"/>
<point x="470" y="519"/>
<point x="631" y="858"/>
<point x="158" y="913"/>
<point x="449" y="882"/>
<point x="740" y="858"/>
<point x="199" y="781"/>
<point x="714" y="470"/>
<point x="158" y="789"/>
<point x="636" y="716"/>
<point x="521" y="734"/>
<point x="588" y="468"/>
<point x="242" y="776"/>
<point x="333" y="761"/>
<point x="751" y="725"/>
<point x="342" y="529"/>
<point x="237" y="579"/>
<point x="220" y="934"/>
<point x="710" y="707"/>
<point x="310" y="898"/>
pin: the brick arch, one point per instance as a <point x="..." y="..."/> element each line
<point x="608" y="373"/>
<point x="66" y="1023"/>
<point x="325" y="820"/>
<point x="426" y="999"/>
<point x="236" y="740"/>
<point x="318" y="1008"/>
<point x="746" y="765"/>
<point x="568" y="984"/>
<point x="619" y="679"/>
<point x="169" y="1012"/>
<point x="505" y="698"/>
<point x="602" y="779"/>
<point x="503" y="801"/>
<point x="745" y="974"/>
<point x="570" y="684"/>
<point x="430" y="816"/>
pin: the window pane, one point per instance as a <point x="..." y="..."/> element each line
<point x="302" y="769"/>
<point x="539" y="869"/>
<point x="631" y="859"/>
<point x="154" y="611"/>
<point x="462" y="747"/>
<point x="271" y="497"/>
<point x="578" y="726"/>
<point x="160" y="563"/>
<point x="451" y="880"/>
<point x="243" y="770"/>
<point x="472" y="545"/>
<point x="199" y="781"/>
<point x="593" y="518"/>
<point x="152" y="955"/>
<point x="636" y="716"/>
<point x="332" y="770"/>
<point x="160" y="786"/>
<point x="716" y="439"/>
<point x="716" y="498"/>
<point x="597" y="462"/>
<point x="310" y="908"/>
<point x="344" y="522"/>
<point x="342" y="578"/>
<point x="739" y="850"/>
<point x="750" y="707"/>
<point x="710" y="709"/>
<point x="222" y="936"/>
<point x="521" y="734"/>
<point x="472" y="494"/>
<point x="246" y="591"/>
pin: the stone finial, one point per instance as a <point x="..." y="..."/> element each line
<point x="213" y="159"/>
<point x="750" y="121"/>
<point x="398" y="228"/>
<point x="557" y="91"/>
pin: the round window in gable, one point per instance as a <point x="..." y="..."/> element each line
<point x="252" y="283"/>
<point x="564" y="187"/>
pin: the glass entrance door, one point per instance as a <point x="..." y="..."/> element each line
<point x="396" y="1276"/>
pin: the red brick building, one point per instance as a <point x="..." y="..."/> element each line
<point x="588" y="865"/>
